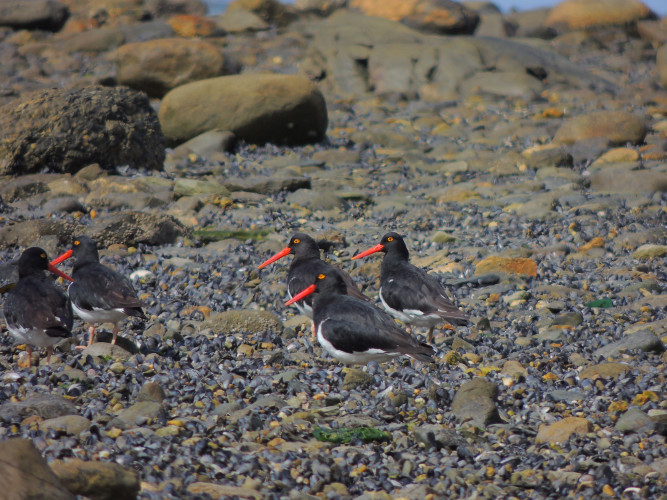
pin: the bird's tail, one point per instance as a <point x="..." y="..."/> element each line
<point x="422" y="352"/>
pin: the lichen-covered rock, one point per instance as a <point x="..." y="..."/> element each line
<point x="243" y="320"/>
<point x="132" y="228"/>
<point x="65" y="130"/>
<point x="98" y="480"/>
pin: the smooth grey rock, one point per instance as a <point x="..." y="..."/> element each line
<point x="258" y="108"/>
<point x="105" y="349"/>
<point x="475" y="401"/>
<point x="72" y="424"/>
<point x="44" y="405"/>
<point x="26" y="475"/>
<point x="151" y="391"/>
<point x="645" y="341"/>
<point x="49" y="15"/>
<point x="437" y="436"/>
<point x="634" y="420"/>
<point x="94" y="40"/>
<point x="207" y="144"/>
<point x="138" y="413"/>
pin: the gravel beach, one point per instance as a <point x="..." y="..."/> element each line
<point x="522" y="157"/>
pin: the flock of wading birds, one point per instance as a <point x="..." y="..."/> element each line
<point x="346" y="323"/>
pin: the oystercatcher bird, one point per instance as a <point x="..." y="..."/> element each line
<point x="37" y="313"/>
<point x="409" y="293"/>
<point x="303" y="269"/>
<point x="353" y="330"/>
<point x="99" y="294"/>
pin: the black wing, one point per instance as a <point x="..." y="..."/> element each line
<point x="99" y="287"/>
<point x="410" y="288"/>
<point x="355" y="326"/>
<point x="35" y="303"/>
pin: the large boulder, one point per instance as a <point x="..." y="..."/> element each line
<point x="25" y="474"/>
<point x="271" y="11"/>
<point x="65" y="130"/>
<point x="132" y="228"/>
<point x="617" y="127"/>
<point x="49" y="15"/>
<point x="589" y="14"/>
<point x="283" y="109"/>
<point x="661" y="65"/>
<point x="98" y="480"/>
<point x="354" y="55"/>
<point x="157" y="66"/>
<point x="434" y="16"/>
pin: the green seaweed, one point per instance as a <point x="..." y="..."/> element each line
<point x="209" y="235"/>
<point x="602" y="303"/>
<point x="344" y="436"/>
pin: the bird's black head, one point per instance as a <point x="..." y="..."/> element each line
<point x="85" y="249"/>
<point x="330" y="282"/>
<point x="393" y="242"/>
<point x="33" y="260"/>
<point x="303" y="245"/>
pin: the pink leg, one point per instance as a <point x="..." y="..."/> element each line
<point x="91" y="334"/>
<point x="49" y="353"/>
<point x="91" y="337"/>
<point x="115" y="333"/>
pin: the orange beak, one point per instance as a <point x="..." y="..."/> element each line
<point x="58" y="272"/>
<point x="303" y="293"/>
<point x="62" y="258"/>
<point x="58" y="260"/>
<point x="284" y="252"/>
<point x="377" y="248"/>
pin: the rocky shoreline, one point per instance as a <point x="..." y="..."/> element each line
<point x="523" y="157"/>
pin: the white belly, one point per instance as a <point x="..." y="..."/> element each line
<point x="353" y="357"/>
<point x="411" y="316"/>
<point x="99" y="315"/>
<point x="33" y="337"/>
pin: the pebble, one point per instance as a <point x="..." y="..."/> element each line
<point x="561" y="431"/>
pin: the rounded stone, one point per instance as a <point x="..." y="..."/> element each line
<point x="618" y="127"/>
<point x="282" y="109"/>
<point x="157" y="66"/>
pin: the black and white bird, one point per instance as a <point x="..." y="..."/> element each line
<point x="409" y="293"/>
<point x="38" y="313"/>
<point x="303" y="269"/>
<point x="353" y="330"/>
<point x="99" y="294"/>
